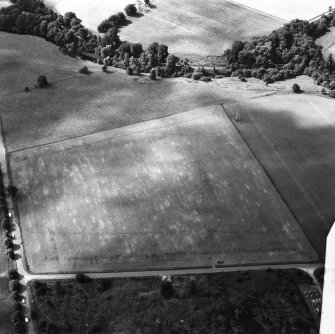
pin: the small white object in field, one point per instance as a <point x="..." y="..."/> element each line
<point x="23" y="301"/>
<point x="26" y="320"/>
<point x="9" y="214"/>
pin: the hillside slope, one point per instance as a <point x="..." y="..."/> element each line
<point x="188" y="27"/>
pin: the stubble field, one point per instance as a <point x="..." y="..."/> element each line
<point x="293" y="137"/>
<point x="183" y="191"/>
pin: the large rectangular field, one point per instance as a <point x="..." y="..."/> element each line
<point x="183" y="191"/>
<point x="294" y="138"/>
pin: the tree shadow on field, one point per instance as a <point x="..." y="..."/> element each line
<point x="299" y="156"/>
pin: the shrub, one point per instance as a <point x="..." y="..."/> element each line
<point x="205" y="79"/>
<point x="13" y="274"/>
<point x="12" y="190"/>
<point x="84" y="70"/>
<point x="243" y="79"/>
<point x="131" y="10"/>
<point x="10" y="253"/>
<point x="332" y="94"/>
<point x="5" y="223"/>
<point x="104" y="68"/>
<point x="323" y="91"/>
<point x="332" y="85"/>
<point x="188" y="75"/>
<point x="130" y="71"/>
<point x="42" y="81"/>
<point x="26" y="89"/>
<point x="16" y="296"/>
<point x="137" y="71"/>
<point x="102" y="284"/>
<point x="152" y="74"/>
<point x="220" y="76"/>
<point x="197" y="76"/>
<point x="167" y="290"/>
<point x="14" y="285"/>
<point x="296" y="88"/>
<point x="8" y="242"/>
<point x="81" y="278"/>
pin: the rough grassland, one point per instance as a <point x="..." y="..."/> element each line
<point x="288" y="9"/>
<point x="328" y="42"/>
<point x="183" y="191"/>
<point x="249" y="302"/>
<point x="293" y="136"/>
<point x="76" y="104"/>
<point x="189" y="27"/>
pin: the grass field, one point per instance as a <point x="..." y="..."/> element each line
<point x="183" y="191"/>
<point x="249" y="302"/>
<point x="188" y="27"/>
<point x="288" y="9"/>
<point x="76" y="104"/>
<point x="328" y="42"/>
<point x="293" y="136"/>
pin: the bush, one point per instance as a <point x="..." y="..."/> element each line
<point x="220" y="76"/>
<point x="104" y="68"/>
<point x="81" y="278"/>
<point x="197" y="76"/>
<point x="296" y="88"/>
<point x="12" y="191"/>
<point x="42" y="81"/>
<point x="152" y="74"/>
<point x="5" y="223"/>
<point x="84" y="70"/>
<point x="102" y="284"/>
<point x="26" y="89"/>
<point x="8" y="242"/>
<point x="205" y="79"/>
<point x="167" y="290"/>
<point x="332" y="85"/>
<point x="188" y="75"/>
<point x="323" y="91"/>
<point x="131" y="10"/>
<point x="130" y="71"/>
<point x="16" y="296"/>
<point x="137" y="71"/>
<point x="14" y="285"/>
<point x="10" y="253"/>
<point x="332" y="94"/>
<point x="13" y="274"/>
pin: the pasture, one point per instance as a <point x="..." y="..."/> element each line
<point x="183" y="191"/>
<point x="288" y="9"/>
<point x="293" y="137"/>
<point x="328" y="42"/>
<point x="76" y="105"/>
<point x="188" y="27"/>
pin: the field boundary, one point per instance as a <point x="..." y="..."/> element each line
<point x="274" y="185"/>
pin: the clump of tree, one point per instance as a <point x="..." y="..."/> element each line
<point x="82" y="278"/>
<point x="14" y="285"/>
<point x="131" y="10"/>
<point x="167" y="290"/>
<point x="42" y="81"/>
<point x="115" y="21"/>
<point x="84" y="70"/>
<point x="296" y="88"/>
<point x="285" y="53"/>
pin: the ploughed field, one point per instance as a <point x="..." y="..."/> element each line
<point x="293" y="137"/>
<point x="188" y="27"/>
<point x="183" y="191"/>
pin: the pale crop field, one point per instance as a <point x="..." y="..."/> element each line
<point x="188" y="27"/>
<point x="290" y="9"/>
<point x="183" y="191"/>
<point x="328" y="42"/>
<point x="293" y="137"/>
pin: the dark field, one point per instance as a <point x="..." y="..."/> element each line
<point x="243" y="302"/>
<point x="293" y="137"/>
